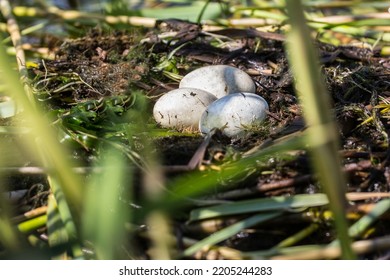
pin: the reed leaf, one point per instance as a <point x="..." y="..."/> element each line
<point x="278" y="203"/>
<point x="322" y="138"/>
<point x="104" y="216"/>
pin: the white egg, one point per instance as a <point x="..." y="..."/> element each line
<point x="235" y="114"/>
<point x="182" y="108"/>
<point x="219" y="80"/>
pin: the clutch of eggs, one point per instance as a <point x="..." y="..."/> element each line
<point x="209" y="97"/>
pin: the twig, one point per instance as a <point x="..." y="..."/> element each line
<point x="344" y="19"/>
<point x="16" y="38"/>
<point x="13" y="29"/>
<point x="30" y="214"/>
<point x="72" y="15"/>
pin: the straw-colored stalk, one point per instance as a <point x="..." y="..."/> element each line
<point x="42" y="142"/>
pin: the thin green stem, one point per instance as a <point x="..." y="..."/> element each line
<point x="322" y="137"/>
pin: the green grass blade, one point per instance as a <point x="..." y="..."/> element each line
<point x="322" y="138"/>
<point x="32" y="224"/>
<point x="302" y="234"/>
<point x="367" y="220"/>
<point x="190" y="12"/>
<point x="48" y="147"/>
<point x="359" y="227"/>
<point x="230" y="231"/>
<point x="57" y="232"/>
<point x="104" y="216"/>
<point x="278" y="203"/>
